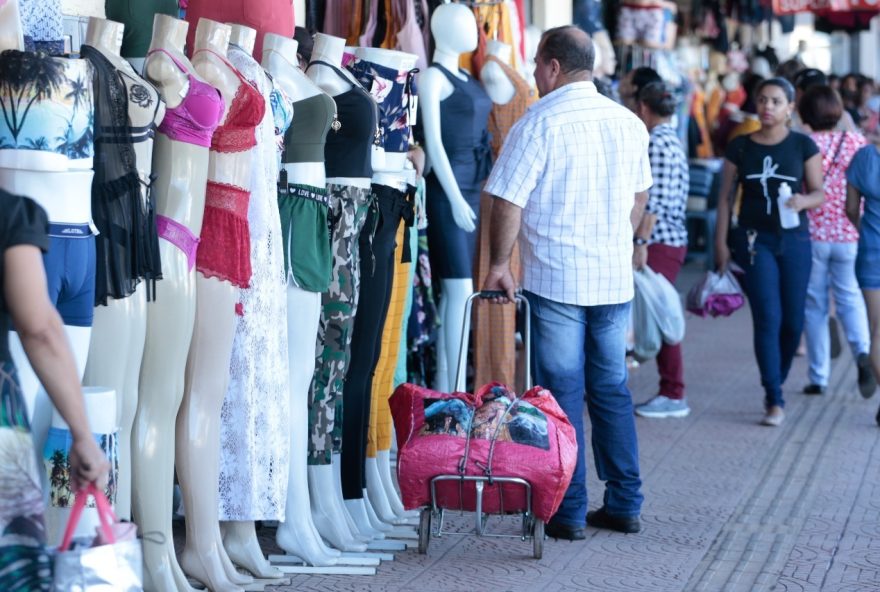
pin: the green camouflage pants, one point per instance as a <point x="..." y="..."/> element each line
<point x="348" y="212"/>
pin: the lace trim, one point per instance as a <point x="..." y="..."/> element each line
<point x="230" y="198"/>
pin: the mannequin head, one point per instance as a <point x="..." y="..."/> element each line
<point x="565" y="55"/>
<point x="242" y="36"/>
<point x="454" y="28"/>
<point x="105" y="34"/>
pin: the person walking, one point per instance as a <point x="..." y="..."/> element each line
<point x="776" y="260"/>
<point x="25" y="562"/>
<point x="571" y="182"/>
<point x="834" y="247"/>
<point x="661" y="238"/>
<point x="863" y="184"/>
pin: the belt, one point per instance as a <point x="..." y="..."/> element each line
<point x="315" y="194"/>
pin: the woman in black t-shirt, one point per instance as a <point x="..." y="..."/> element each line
<point x="776" y="261"/>
<point x="24" y="299"/>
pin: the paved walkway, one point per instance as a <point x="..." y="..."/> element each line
<point x="729" y="505"/>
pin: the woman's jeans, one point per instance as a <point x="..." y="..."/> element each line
<point x="578" y="349"/>
<point x="777" y="271"/>
<point x="834" y="267"/>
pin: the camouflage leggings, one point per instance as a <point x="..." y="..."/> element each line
<point x="348" y="212"/>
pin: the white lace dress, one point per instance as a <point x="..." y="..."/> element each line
<point x="255" y="420"/>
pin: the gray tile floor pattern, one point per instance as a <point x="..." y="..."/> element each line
<point x="730" y="505"/>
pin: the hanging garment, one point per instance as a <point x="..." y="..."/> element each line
<point x="127" y="245"/>
<point x="394" y="92"/>
<point x="355" y="27"/>
<point x="255" y="418"/>
<point x="49" y="126"/>
<point x="42" y="26"/>
<point x="423" y="321"/>
<point x="493" y="22"/>
<point x="409" y="37"/>
<point x="138" y="16"/>
<point x="265" y="16"/>
<point x="464" y="117"/>
<point x="224" y="244"/>
<point x="348" y="213"/>
<point x="495" y="326"/>
<point x="366" y="39"/>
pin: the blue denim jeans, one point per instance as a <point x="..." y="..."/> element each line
<point x="775" y="282"/>
<point x="834" y="266"/>
<point x="578" y="349"/>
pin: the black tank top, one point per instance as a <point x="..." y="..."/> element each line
<point x="348" y="150"/>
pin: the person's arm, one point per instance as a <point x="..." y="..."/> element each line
<point x="417" y="157"/>
<point x="722" y="222"/>
<point x="504" y="228"/>
<point x="42" y="335"/>
<point x="854" y="205"/>
<point x="814" y="179"/>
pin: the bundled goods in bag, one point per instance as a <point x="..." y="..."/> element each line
<point x="491" y="433"/>
<point x="657" y="314"/>
<point x="716" y="294"/>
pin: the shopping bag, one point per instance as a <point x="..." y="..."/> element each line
<point x="716" y="294"/>
<point x="113" y="561"/>
<point x="658" y="316"/>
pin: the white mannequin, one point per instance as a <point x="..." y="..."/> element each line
<point x="120" y="328"/>
<point x="240" y="537"/>
<point x="298" y="535"/>
<point x="498" y="86"/>
<point x="325" y="488"/>
<point x="207" y="371"/>
<point x="182" y="170"/>
<point x="65" y="194"/>
<point x="455" y="32"/>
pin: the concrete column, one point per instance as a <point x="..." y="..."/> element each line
<point x="547" y="14"/>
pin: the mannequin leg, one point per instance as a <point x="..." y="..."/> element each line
<point x="452" y="303"/>
<point x="297" y="534"/>
<point x="328" y="513"/>
<point x="198" y="427"/>
<point x="169" y="331"/>
<point x="375" y="521"/>
<point x="240" y="541"/>
<point x="349" y="518"/>
<point x="383" y="463"/>
<point x="114" y="361"/>
<point x="376" y="496"/>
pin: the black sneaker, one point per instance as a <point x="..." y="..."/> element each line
<point x="867" y="382"/>
<point x="564" y="531"/>
<point x="601" y="519"/>
<point x="814" y="389"/>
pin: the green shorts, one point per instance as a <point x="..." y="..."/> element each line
<point x="306" y="234"/>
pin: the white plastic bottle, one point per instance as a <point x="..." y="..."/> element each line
<point x="787" y="217"/>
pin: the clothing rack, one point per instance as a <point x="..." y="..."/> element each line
<point x="479" y="3"/>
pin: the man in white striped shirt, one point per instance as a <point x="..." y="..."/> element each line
<point x="572" y="177"/>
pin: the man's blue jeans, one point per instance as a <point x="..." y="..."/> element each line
<point x="775" y="282"/>
<point x="578" y="349"/>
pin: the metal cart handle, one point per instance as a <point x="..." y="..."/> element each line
<point x="461" y="370"/>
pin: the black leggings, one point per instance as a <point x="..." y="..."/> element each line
<point x="377" y="273"/>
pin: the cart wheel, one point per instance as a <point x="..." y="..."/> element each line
<point x="425" y="530"/>
<point x="538" y="538"/>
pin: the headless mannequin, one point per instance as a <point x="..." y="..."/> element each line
<point x="120" y="328"/>
<point x="498" y="86"/>
<point x="65" y="194"/>
<point x="381" y="494"/>
<point x="240" y="537"/>
<point x="326" y="484"/>
<point x="298" y="535"/>
<point x="455" y="32"/>
<point x="182" y="171"/>
<point x="207" y="367"/>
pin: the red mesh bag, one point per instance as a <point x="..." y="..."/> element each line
<point x="490" y="433"/>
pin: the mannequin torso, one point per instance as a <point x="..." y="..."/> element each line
<point x="498" y="85"/>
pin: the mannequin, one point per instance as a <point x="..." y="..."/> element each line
<point x="498" y="84"/>
<point x="297" y="534"/>
<point x="348" y="186"/>
<point x="254" y="429"/>
<point x="455" y="32"/>
<point x="58" y="176"/>
<point x="120" y="327"/>
<point x="181" y="167"/>
<point x="397" y="174"/>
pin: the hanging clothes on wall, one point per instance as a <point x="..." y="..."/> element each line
<point x="493" y="22"/>
<point x="265" y="16"/>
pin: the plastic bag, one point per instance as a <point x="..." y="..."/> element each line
<point x="717" y="294"/>
<point x="658" y="316"/>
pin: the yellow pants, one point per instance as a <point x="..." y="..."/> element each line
<point x="379" y="434"/>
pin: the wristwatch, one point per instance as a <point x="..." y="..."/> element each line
<point x="639" y="241"/>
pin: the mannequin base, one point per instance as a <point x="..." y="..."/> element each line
<point x="297" y="543"/>
<point x="206" y="566"/>
<point x="356" y="508"/>
<point x="240" y="542"/>
<point x="328" y="513"/>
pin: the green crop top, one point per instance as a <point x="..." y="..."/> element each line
<point x="137" y="16"/>
<point x="305" y="138"/>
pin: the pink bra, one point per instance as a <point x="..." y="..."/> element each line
<point x="196" y="118"/>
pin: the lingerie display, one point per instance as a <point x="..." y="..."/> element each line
<point x="255" y="417"/>
<point x="127" y="246"/>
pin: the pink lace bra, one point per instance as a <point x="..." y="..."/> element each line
<point x="197" y="117"/>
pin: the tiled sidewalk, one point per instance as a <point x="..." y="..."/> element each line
<point x="730" y="505"/>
